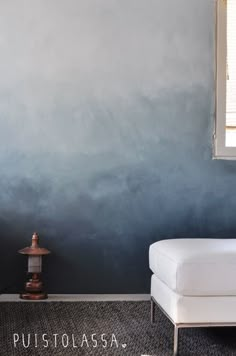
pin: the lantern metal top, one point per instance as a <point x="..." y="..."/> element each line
<point x="34" y="249"/>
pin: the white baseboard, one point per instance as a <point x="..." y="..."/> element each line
<point x="80" y="298"/>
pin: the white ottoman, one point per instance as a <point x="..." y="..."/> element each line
<point x="194" y="282"/>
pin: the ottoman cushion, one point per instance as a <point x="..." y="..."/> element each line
<point x="196" y="267"/>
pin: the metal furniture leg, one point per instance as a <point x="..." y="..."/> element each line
<point x="152" y="311"/>
<point x="185" y="325"/>
<point x="176" y="337"/>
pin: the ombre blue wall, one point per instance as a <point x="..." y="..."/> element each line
<point x="106" y="122"/>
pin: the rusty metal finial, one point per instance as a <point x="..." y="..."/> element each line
<point x="35" y="240"/>
<point x="34" y="249"/>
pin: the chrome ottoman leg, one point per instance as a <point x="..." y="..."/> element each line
<point x="176" y="337"/>
<point x="152" y="311"/>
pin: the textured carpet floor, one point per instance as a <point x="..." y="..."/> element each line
<point x="126" y="327"/>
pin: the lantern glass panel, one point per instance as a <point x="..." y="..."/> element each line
<point x="35" y="264"/>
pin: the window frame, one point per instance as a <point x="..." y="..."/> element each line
<point x="220" y="150"/>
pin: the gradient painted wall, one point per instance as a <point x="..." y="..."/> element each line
<point x="106" y="121"/>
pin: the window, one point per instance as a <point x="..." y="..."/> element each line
<point x="225" y="128"/>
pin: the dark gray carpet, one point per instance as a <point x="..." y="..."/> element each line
<point x="128" y="321"/>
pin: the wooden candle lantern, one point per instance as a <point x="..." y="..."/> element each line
<point x="34" y="286"/>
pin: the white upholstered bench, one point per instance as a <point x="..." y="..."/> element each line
<point x="194" y="282"/>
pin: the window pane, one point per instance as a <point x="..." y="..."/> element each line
<point x="231" y="75"/>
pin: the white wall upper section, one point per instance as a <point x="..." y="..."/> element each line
<point x="103" y="46"/>
<point x="59" y="57"/>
